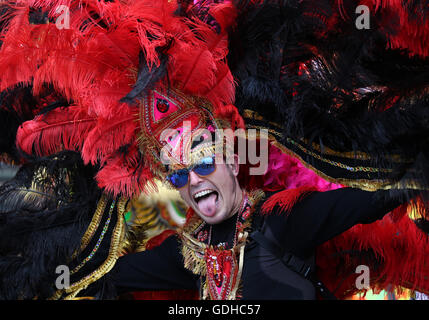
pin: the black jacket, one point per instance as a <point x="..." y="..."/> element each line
<point x="317" y="218"/>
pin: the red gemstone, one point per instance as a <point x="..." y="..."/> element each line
<point x="246" y="213"/>
<point x="162" y="105"/>
<point x="202" y="236"/>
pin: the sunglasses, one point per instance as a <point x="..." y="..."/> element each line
<point x="204" y="167"/>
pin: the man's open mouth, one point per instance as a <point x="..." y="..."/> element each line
<point x="206" y="201"/>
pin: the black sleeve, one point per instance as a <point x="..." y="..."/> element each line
<point x="324" y="215"/>
<point x="158" y="269"/>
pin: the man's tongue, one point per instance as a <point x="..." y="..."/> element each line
<point x="207" y="205"/>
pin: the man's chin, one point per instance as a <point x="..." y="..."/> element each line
<point x="214" y="219"/>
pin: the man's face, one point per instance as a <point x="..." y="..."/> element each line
<point x="215" y="197"/>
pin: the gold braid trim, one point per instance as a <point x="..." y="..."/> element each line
<point x="114" y="251"/>
<point x="193" y="254"/>
<point x="283" y="148"/>
<point x="356" y="155"/>
<point x="115" y="245"/>
<point x="249" y="114"/>
<point x="89" y="233"/>
<point x="364" y="184"/>
<point x="336" y="163"/>
<point x="192" y="249"/>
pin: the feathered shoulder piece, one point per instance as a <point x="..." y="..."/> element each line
<point x="344" y="90"/>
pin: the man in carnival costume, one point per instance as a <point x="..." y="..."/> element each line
<point x="130" y="92"/>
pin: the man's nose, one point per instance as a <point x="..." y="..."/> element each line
<point x="194" y="179"/>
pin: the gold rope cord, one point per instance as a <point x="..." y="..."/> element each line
<point x="89" y="233"/>
<point x="364" y="184"/>
<point x="115" y="248"/>
<point x="99" y="241"/>
<point x="115" y="245"/>
<point x="336" y="163"/>
<point x="356" y="155"/>
<point x="249" y="114"/>
<point x="193" y="254"/>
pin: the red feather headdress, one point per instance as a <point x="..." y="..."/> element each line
<point x="94" y="63"/>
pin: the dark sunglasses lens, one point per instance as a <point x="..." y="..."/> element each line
<point x="179" y="178"/>
<point x="205" y="167"/>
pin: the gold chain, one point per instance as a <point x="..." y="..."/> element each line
<point x="89" y="233"/>
<point x="115" y="246"/>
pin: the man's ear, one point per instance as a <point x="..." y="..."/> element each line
<point x="235" y="165"/>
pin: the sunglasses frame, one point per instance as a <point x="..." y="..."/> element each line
<point x="191" y="168"/>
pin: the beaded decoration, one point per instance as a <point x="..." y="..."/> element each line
<point x="100" y="239"/>
<point x="221" y="267"/>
